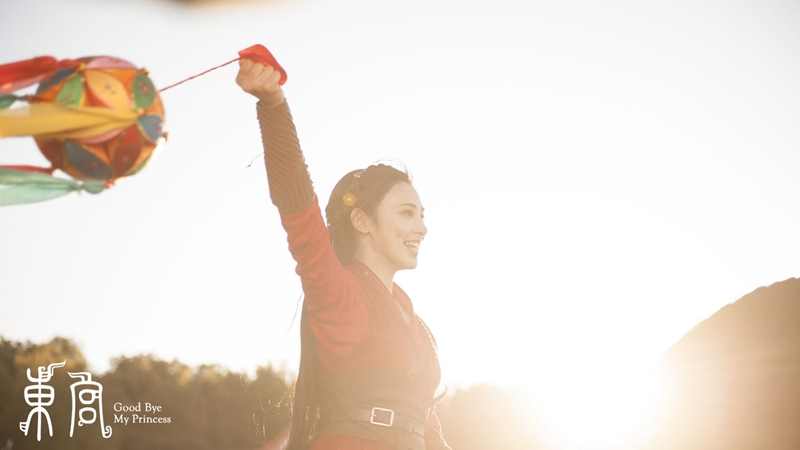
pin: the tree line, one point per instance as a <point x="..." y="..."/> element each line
<point x="169" y="405"/>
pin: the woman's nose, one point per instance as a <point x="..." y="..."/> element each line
<point x="421" y="228"/>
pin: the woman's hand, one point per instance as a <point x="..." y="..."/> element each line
<point x="260" y="81"/>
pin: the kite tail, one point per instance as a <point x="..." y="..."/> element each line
<point x="20" y="74"/>
<point x="30" y="185"/>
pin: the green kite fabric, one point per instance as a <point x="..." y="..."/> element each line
<point x="20" y="186"/>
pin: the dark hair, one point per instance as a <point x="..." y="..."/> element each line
<point x="364" y="189"/>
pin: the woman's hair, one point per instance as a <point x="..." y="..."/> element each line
<point x="364" y="189"/>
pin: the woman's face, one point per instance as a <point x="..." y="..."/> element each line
<point x="398" y="228"/>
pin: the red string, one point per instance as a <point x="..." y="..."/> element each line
<point x="200" y="74"/>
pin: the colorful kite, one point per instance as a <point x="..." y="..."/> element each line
<point x="96" y="119"/>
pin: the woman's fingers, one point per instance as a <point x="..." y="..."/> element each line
<point x="245" y="67"/>
<point x="271" y="77"/>
<point x="259" y="80"/>
<point x="257" y="76"/>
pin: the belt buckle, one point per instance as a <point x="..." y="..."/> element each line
<point x="373" y="420"/>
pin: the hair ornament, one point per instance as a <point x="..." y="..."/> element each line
<point x="349" y="199"/>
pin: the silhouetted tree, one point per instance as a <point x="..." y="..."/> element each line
<point x="207" y="408"/>
<point x="16" y="359"/>
<point x="733" y="382"/>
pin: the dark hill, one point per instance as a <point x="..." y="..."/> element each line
<point x="733" y="381"/>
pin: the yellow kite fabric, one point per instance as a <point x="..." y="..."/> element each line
<point x="63" y="121"/>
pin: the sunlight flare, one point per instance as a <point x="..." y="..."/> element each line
<point x="596" y="409"/>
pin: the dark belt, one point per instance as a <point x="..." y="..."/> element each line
<point x="379" y="417"/>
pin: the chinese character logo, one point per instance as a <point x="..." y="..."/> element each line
<point x="39" y="396"/>
<point x="87" y="392"/>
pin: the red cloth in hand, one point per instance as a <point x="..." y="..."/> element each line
<point x="258" y="53"/>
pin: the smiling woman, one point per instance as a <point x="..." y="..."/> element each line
<point x="369" y="368"/>
<point x="386" y="236"/>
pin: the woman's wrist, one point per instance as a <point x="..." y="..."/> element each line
<point x="272" y="100"/>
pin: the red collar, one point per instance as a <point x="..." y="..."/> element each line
<point x="403" y="298"/>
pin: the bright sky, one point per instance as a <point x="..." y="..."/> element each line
<point x="597" y="180"/>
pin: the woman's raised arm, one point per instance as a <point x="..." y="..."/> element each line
<point x="289" y="184"/>
<point x="334" y="300"/>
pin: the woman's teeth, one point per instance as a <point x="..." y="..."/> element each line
<point x="413" y="245"/>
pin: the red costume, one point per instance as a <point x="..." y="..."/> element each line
<point x="372" y="356"/>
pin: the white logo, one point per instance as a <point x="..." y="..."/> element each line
<point x="95" y="392"/>
<point x="40" y="396"/>
<point x="85" y="390"/>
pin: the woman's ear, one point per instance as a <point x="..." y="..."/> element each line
<point x="360" y="220"/>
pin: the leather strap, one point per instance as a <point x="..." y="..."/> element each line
<point x="376" y="417"/>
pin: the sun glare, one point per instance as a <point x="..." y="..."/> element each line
<point x="593" y="410"/>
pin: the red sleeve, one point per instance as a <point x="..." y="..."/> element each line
<point x="337" y="311"/>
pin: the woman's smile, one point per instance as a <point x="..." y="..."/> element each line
<point x="414" y="246"/>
